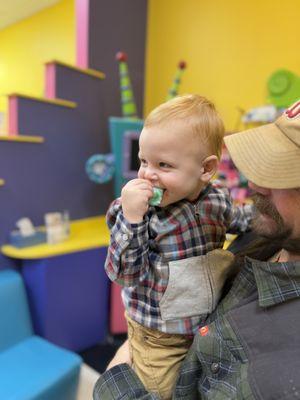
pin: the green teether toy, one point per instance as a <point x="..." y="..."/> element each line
<point x="157" y="196"/>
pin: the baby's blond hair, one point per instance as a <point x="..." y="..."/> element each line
<point x="201" y="115"/>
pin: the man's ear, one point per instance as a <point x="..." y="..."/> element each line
<point x="209" y="168"/>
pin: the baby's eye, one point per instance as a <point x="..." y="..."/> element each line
<point x="164" y="165"/>
<point x="143" y="162"/>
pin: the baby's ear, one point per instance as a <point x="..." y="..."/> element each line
<point x="209" y="168"/>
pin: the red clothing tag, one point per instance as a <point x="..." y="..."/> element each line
<point x="204" y="330"/>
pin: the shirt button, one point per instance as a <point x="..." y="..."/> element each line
<point x="215" y="367"/>
<point x="125" y="237"/>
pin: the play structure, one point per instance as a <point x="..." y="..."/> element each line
<point x="67" y="288"/>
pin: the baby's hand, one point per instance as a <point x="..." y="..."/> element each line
<point x="135" y="196"/>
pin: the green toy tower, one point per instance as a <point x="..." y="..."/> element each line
<point x="127" y="98"/>
<point x="173" y="91"/>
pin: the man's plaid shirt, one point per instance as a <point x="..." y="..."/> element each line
<point x="139" y="254"/>
<point x="250" y="350"/>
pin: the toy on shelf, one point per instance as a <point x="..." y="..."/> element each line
<point x="283" y="89"/>
<point x="56" y="230"/>
<point x="57" y="226"/>
<point x="26" y="235"/>
<point x="123" y="163"/>
<point x="260" y="115"/>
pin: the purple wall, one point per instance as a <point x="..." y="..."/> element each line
<point x="121" y="27"/>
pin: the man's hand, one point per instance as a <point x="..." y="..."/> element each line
<point x="135" y="196"/>
<point x="122" y="356"/>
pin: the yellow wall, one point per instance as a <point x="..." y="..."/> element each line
<point x="231" y="48"/>
<point x="27" y="45"/>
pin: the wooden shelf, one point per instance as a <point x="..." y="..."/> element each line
<point x="57" y="102"/>
<point x="88" y="71"/>
<point x="22" y="139"/>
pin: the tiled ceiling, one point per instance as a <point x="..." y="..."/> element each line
<point x="12" y="11"/>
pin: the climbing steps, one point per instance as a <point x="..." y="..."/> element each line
<point x="18" y="103"/>
<point x="66" y="125"/>
<point x="51" y="70"/>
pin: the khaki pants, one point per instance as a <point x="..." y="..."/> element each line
<point x="156" y="357"/>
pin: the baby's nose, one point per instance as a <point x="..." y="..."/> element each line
<point x="151" y="174"/>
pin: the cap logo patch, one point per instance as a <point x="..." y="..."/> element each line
<point x="293" y="111"/>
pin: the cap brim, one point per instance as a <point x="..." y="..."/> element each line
<point x="266" y="157"/>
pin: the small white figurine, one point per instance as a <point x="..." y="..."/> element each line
<point x="25" y="227"/>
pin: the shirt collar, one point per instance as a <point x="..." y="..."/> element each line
<point x="276" y="282"/>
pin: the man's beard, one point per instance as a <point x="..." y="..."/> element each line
<point x="281" y="233"/>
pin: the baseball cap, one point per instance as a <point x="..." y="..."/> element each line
<point x="269" y="155"/>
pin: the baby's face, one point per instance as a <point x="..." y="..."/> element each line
<point x="171" y="159"/>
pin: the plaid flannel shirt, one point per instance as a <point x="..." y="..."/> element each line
<point x="139" y="254"/>
<point x="250" y="350"/>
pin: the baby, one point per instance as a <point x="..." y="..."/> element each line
<point x="169" y="256"/>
